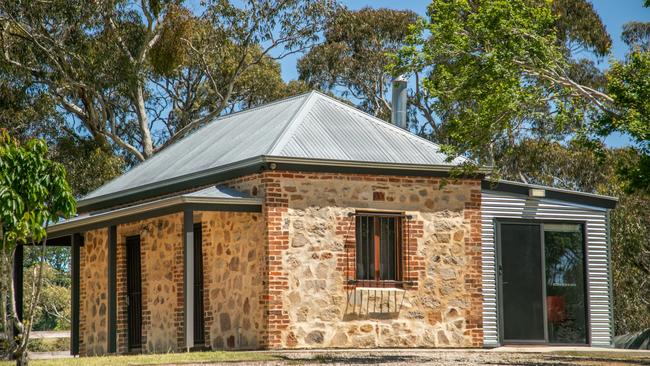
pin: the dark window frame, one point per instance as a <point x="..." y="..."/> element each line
<point x="378" y="225"/>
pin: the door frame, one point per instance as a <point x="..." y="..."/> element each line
<point x="497" y="222"/>
<point x="129" y="308"/>
<point x="199" y="293"/>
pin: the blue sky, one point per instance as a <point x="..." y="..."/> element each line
<point x="614" y="13"/>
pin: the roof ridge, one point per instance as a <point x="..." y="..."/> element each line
<point x="282" y="100"/>
<point x="290" y="128"/>
<point x="382" y="123"/>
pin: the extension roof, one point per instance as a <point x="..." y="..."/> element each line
<point x="209" y="198"/>
<point x="311" y="128"/>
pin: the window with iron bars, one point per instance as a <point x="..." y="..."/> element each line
<point x="380" y="258"/>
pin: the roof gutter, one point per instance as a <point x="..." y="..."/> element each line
<point x="372" y="165"/>
<point x="589" y="199"/>
<point x="152" y="209"/>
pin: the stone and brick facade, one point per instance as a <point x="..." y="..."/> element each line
<point x="233" y="262"/>
<point x="93" y="293"/>
<point x="280" y="278"/>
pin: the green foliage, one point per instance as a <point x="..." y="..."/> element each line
<point x="87" y="164"/>
<point x="478" y="68"/>
<point x="571" y="166"/>
<point x="135" y="76"/>
<point x="630" y="230"/>
<point x="52" y="311"/>
<point x="354" y="56"/>
<point x="170" y="52"/>
<point x="637" y="34"/>
<point x="493" y="73"/>
<point x="577" y="23"/>
<point x="629" y="86"/>
<point x="33" y="191"/>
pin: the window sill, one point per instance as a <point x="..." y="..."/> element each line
<point x="383" y="289"/>
<point x="370" y="284"/>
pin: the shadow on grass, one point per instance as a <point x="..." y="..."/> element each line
<point x="363" y="360"/>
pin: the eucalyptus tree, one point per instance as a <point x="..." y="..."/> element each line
<point x="493" y="72"/>
<point x="135" y="76"/>
<point x="352" y="59"/>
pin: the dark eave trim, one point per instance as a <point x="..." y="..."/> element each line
<point x="303" y="165"/>
<point x="171" y="186"/>
<point x="113" y="219"/>
<point x="54" y="240"/>
<point x="581" y="198"/>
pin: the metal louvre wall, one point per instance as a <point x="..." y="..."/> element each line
<point x="496" y="205"/>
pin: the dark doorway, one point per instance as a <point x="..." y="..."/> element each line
<point x="199" y="328"/>
<point x="521" y="281"/>
<point x="542" y="283"/>
<point x="134" y="292"/>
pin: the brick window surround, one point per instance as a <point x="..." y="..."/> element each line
<point x="410" y="262"/>
<point x="376" y="234"/>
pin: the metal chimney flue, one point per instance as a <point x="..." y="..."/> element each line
<point x="398" y="103"/>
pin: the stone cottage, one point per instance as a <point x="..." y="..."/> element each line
<point x="306" y="223"/>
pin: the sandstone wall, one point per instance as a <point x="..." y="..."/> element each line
<point x="161" y="246"/>
<point x="310" y="236"/>
<point x="233" y="257"/>
<point x="93" y="293"/>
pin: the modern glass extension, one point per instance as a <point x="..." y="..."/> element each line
<point x="542" y="282"/>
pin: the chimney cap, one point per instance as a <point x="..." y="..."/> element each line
<point x="400" y="79"/>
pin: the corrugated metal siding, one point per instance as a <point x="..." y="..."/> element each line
<point x="218" y="192"/>
<point x="504" y="205"/>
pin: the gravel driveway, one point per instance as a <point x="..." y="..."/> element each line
<point x="457" y="357"/>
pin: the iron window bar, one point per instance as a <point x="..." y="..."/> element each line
<point x="402" y="265"/>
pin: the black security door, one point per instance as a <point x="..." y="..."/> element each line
<point x="199" y="332"/>
<point x="521" y="282"/>
<point x="134" y="292"/>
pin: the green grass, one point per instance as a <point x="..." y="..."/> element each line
<point x="155" y="359"/>
<point x="48" y="344"/>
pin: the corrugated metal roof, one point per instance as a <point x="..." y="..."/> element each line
<point x="218" y="192"/>
<point x="217" y="195"/>
<point x="311" y="126"/>
<point x="329" y="129"/>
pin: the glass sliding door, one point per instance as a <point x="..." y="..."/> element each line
<point x="542" y="282"/>
<point x="564" y="259"/>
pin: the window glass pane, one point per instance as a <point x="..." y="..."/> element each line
<point x="377" y="247"/>
<point x="387" y="254"/>
<point x="565" y="287"/>
<point x="365" y="261"/>
<point x="370" y="248"/>
<point x="360" y="262"/>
